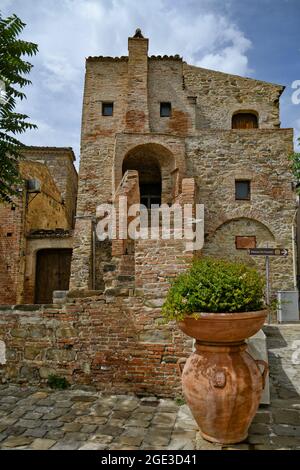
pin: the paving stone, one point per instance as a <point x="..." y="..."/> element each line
<point x="120" y="414"/>
<point x="286" y="417"/>
<point x="72" y="427"/>
<point x="29" y="423"/>
<point x="101" y="411"/>
<point x="14" y="430"/>
<point x="98" y="420"/>
<point x="262" y="417"/>
<point x="93" y="446"/>
<point x="3" y="436"/>
<point x="37" y="432"/>
<point x="109" y="430"/>
<point x="55" y="413"/>
<point x="88" y="428"/>
<point x="102" y="439"/>
<point x="52" y="424"/>
<point x="42" y="444"/>
<point x="7" y="421"/>
<point x="286" y="430"/>
<point x="39" y="395"/>
<point x="164" y="419"/>
<point x="41" y="409"/>
<point x="259" y="428"/>
<point x="56" y="434"/>
<point x="9" y="400"/>
<point x="84" y="398"/>
<point x="17" y="441"/>
<point x="69" y="417"/>
<point x="158" y="436"/>
<point x="63" y="404"/>
<point x="286" y="441"/>
<point x="137" y="423"/>
<point x="18" y="413"/>
<point x="75" y="436"/>
<point x="142" y="416"/>
<point x="32" y="415"/>
<point x="130" y="441"/>
<point x="46" y="402"/>
<point x="116" y="422"/>
<point x="67" y="445"/>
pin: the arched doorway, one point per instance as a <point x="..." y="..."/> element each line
<point x="150" y="179"/>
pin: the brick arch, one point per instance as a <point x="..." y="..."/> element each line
<point x="241" y="213"/>
<point x="163" y="158"/>
<point x="236" y="219"/>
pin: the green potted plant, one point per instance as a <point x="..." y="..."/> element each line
<point x="220" y="305"/>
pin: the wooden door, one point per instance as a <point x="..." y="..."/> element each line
<point x="244" y="121"/>
<point x="52" y="273"/>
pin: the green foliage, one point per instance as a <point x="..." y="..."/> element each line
<point x="13" y="70"/>
<point x="215" y="286"/>
<point x="180" y="401"/>
<point x="59" y="383"/>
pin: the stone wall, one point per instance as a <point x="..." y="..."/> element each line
<point x="261" y="156"/>
<point x="60" y="164"/>
<point x="220" y="95"/>
<point x="97" y="340"/>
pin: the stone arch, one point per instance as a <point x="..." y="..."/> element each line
<point x="222" y="242"/>
<point x="156" y="166"/>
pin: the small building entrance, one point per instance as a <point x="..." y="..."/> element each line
<point x="52" y="273"/>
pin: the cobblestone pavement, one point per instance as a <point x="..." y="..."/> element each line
<point x="41" y="419"/>
<point x="32" y="418"/>
<point x="79" y="419"/>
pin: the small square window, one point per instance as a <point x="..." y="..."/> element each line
<point x="107" y="109"/>
<point x="165" y="109"/>
<point x="242" y="190"/>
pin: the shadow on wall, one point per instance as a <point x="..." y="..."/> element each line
<point x="284" y="365"/>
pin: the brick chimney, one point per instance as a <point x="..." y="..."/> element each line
<point x="137" y="116"/>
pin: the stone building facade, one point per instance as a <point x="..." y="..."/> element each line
<point x="220" y="130"/>
<point x="37" y="229"/>
<point x="154" y="130"/>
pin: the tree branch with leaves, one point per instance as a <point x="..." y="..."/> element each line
<point x="13" y="78"/>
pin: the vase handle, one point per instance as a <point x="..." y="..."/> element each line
<point x="180" y="365"/>
<point x="265" y="371"/>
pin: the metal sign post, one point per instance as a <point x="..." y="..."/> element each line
<point x="267" y="252"/>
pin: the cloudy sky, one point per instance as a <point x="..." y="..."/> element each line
<point x="257" y="38"/>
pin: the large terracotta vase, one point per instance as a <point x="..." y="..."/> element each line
<point x="222" y="383"/>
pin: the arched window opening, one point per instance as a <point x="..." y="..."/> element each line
<point x="244" y="121"/>
<point x="149" y="177"/>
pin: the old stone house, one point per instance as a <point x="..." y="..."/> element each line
<point x="173" y="122"/>
<point x="156" y="130"/>
<point x="36" y="232"/>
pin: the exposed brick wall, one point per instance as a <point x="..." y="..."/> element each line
<point x="92" y="341"/>
<point x="11" y="246"/>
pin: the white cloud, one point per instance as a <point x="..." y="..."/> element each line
<point x="67" y="31"/>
